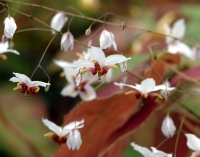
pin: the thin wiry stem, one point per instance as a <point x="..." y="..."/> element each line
<point x="101" y="21"/>
<point x="18" y="133"/>
<point x="136" y="75"/>
<point x="33" y="29"/>
<point x="43" y="55"/>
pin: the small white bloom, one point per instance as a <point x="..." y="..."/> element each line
<point x="10" y="27"/>
<point x="58" y="21"/>
<point x="98" y="63"/>
<point x="147" y="153"/>
<point x="176" y="46"/>
<point x="107" y="40"/>
<point x="74" y="140"/>
<point x="26" y="85"/>
<point x="123" y="66"/>
<point x="67" y="41"/>
<point x="4" y="49"/>
<point x="193" y="142"/>
<point x="168" y="128"/>
<point x="165" y="93"/>
<point x="59" y="133"/>
<point x="148" y="85"/>
<point x="84" y="89"/>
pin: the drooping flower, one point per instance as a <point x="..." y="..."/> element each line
<point x="58" y="21"/>
<point x="60" y="134"/>
<point x="168" y="128"/>
<point x="176" y="46"/>
<point x="67" y="41"/>
<point x="84" y="89"/>
<point x="148" y="153"/>
<point x="26" y="85"/>
<point x="107" y="40"/>
<point x="193" y="143"/>
<point x="98" y="63"/>
<point x="123" y="66"/>
<point x="74" y="140"/>
<point x="147" y="86"/>
<point x="4" y="48"/>
<point x="10" y="27"/>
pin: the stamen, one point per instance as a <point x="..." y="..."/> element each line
<point x="4" y="57"/>
<point x="49" y="134"/>
<point x="80" y="55"/>
<point x="129" y="92"/>
<point x="62" y="74"/>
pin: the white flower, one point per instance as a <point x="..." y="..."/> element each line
<point x="4" y="48"/>
<point x="10" y="27"/>
<point x="84" y="89"/>
<point x="98" y="63"/>
<point x="168" y="128"/>
<point x="107" y="40"/>
<point x="193" y="142"/>
<point x="58" y="21"/>
<point x="147" y="153"/>
<point x="123" y="66"/>
<point x="67" y="40"/>
<point x="26" y="85"/>
<point x="58" y="133"/>
<point x="148" y="85"/>
<point x="176" y="46"/>
<point x="74" y="140"/>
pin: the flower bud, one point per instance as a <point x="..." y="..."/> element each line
<point x="67" y="40"/>
<point x="74" y="140"/>
<point x="88" y="31"/>
<point x="168" y="128"/>
<point x="4" y="39"/>
<point x="58" y="21"/>
<point x="123" y="66"/>
<point x="10" y="27"/>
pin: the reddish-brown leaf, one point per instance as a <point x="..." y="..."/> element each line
<point x="106" y="120"/>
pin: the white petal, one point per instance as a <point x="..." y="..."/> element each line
<point x="193" y="142"/>
<point x="163" y="87"/>
<point x="62" y="63"/>
<point x="147" y="85"/>
<point x="127" y="85"/>
<point x="10" y="27"/>
<point x="114" y="59"/>
<point x="53" y="127"/>
<point x="96" y="54"/>
<point x="178" y="29"/>
<point x="23" y="78"/>
<point x="168" y="32"/>
<point x="71" y="39"/>
<point x="144" y="151"/>
<point x="83" y="64"/>
<point x="4" y="46"/>
<point x="75" y="124"/>
<point x="10" y="50"/>
<point x="113" y="43"/>
<point x="168" y="128"/>
<point x="58" y="21"/>
<point x="67" y="40"/>
<point x="158" y="153"/>
<point x="14" y="79"/>
<point x="69" y="90"/>
<point x="108" y="76"/>
<point x="184" y="49"/>
<point x="70" y="74"/>
<point x="89" y="93"/>
<point x="106" y="39"/>
<point x="89" y="77"/>
<point x="39" y="83"/>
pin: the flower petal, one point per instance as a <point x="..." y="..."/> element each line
<point x="142" y="150"/>
<point x="178" y="29"/>
<point x="88" y="94"/>
<point x="14" y="79"/>
<point x="58" y="21"/>
<point x="10" y="50"/>
<point x="158" y="153"/>
<point x="10" y="27"/>
<point x="147" y="85"/>
<point x="127" y="85"/>
<point x="73" y="125"/>
<point x="62" y="63"/>
<point x="167" y="29"/>
<point x="163" y="87"/>
<point x="53" y="127"/>
<point x="114" y="59"/>
<point x="106" y="39"/>
<point x="23" y="78"/>
<point x="74" y="140"/>
<point x="39" y="83"/>
<point x="96" y="54"/>
<point x="69" y="90"/>
<point x="83" y="64"/>
<point x="70" y="74"/>
<point x="193" y="142"/>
